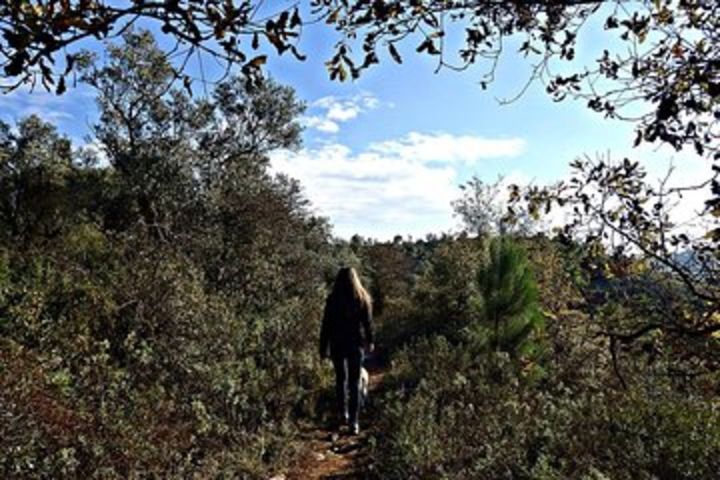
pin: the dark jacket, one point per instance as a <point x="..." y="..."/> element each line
<point x="343" y="325"/>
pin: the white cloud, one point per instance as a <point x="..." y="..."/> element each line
<point x="446" y="147"/>
<point x="22" y="102"/>
<point x="342" y="113"/>
<point x="331" y="111"/>
<point x="321" y="124"/>
<point x="391" y="187"/>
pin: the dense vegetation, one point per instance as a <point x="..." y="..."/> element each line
<point x="521" y="355"/>
<point x="556" y="398"/>
<point x="160" y="293"/>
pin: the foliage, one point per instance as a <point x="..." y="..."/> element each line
<point x="445" y="298"/>
<point x="667" y="55"/>
<point x="560" y="411"/>
<point x="36" y="33"/>
<point x="459" y="421"/>
<point x="509" y="296"/>
<point x="156" y="294"/>
<point x="483" y="210"/>
<point x="156" y="298"/>
<point x="392" y="273"/>
<point x="34" y="169"/>
<point x="477" y="291"/>
<point x="647" y="272"/>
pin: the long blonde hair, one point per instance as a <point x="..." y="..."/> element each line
<point x="348" y="286"/>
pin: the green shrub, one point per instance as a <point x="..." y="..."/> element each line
<point x="451" y="416"/>
<point x="538" y="403"/>
<point x="158" y="316"/>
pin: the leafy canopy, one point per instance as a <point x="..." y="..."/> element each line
<point x="667" y="56"/>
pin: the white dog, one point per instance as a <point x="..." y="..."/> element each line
<point x="364" y="384"/>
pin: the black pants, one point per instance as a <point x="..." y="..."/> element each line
<point x="347" y="380"/>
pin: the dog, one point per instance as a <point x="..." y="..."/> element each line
<point x="364" y="384"/>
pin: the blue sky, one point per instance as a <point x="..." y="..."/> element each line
<point x="385" y="154"/>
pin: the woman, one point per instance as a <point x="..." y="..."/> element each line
<point x="346" y="327"/>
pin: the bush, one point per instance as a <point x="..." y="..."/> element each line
<point x="154" y="313"/>
<point x="451" y="416"/>
<point x="459" y="405"/>
<point x="444" y="300"/>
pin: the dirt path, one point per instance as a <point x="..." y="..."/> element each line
<point x="331" y="454"/>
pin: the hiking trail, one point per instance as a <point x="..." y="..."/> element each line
<point x="332" y="454"/>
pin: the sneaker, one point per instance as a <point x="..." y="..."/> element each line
<point x="355" y="428"/>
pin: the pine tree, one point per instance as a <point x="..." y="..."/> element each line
<point x="509" y="292"/>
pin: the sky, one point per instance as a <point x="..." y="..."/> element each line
<point x="385" y="155"/>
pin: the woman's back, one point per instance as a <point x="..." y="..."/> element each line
<point x="347" y="323"/>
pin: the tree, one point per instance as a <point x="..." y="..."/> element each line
<point x="509" y="293"/>
<point x="483" y="209"/>
<point x="391" y="272"/>
<point x="170" y="150"/>
<point x="36" y="165"/>
<point x="667" y="63"/>
<point x="158" y="303"/>
<point x="665" y="66"/>
<point x="672" y="67"/>
<point x="36" y="33"/>
<point x="647" y="275"/>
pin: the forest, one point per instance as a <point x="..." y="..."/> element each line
<point x="162" y="288"/>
